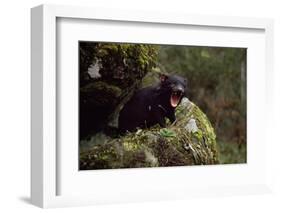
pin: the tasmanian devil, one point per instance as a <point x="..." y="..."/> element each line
<point x="149" y="106"/>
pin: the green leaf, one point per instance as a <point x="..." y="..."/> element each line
<point x="167" y="133"/>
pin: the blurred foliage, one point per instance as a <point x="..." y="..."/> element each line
<point x="230" y="153"/>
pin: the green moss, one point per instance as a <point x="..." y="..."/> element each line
<point x="168" y="133"/>
<point x="131" y="145"/>
<point x="206" y="130"/>
<point x="171" y="146"/>
<point x="126" y="62"/>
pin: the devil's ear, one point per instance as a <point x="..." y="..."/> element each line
<point x="163" y="77"/>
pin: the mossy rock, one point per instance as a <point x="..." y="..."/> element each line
<point x="189" y="141"/>
<point x="109" y="75"/>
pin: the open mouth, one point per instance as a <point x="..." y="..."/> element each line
<point x="175" y="98"/>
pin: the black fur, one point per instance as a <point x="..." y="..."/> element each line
<point x="149" y="106"/>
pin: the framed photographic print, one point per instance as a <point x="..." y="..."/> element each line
<point x="130" y="106"/>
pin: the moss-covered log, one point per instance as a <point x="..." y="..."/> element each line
<point x="189" y="141"/>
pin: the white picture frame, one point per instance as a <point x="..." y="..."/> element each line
<point x="44" y="153"/>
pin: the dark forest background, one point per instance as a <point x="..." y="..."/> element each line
<point x="216" y="83"/>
